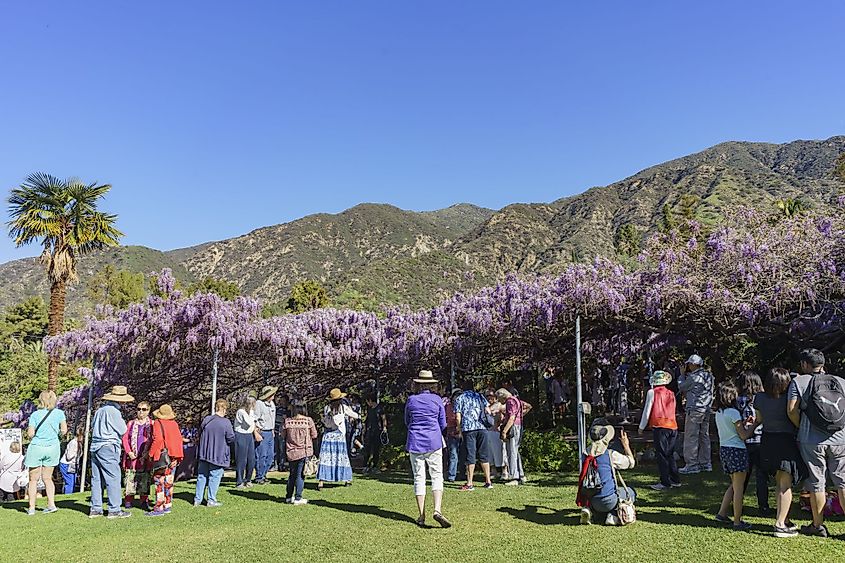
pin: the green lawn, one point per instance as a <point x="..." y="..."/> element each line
<point x="373" y="521"/>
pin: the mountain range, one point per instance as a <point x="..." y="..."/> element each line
<point x="377" y="253"/>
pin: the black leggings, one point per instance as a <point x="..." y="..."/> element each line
<point x="762" y="477"/>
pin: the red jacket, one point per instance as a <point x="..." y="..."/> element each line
<point x="663" y="409"/>
<point x="172" y="439"/>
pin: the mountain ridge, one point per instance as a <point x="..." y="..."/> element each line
<point x="390" y="255"/>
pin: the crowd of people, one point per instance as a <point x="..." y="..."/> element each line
<point x="134" y="461"/>
<point x="786" y="426"/>
<point x="789" y="426"/>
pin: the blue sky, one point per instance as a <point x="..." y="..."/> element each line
<point x="211" y="119"/>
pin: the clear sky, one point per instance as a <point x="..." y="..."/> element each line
<point x="213" y="118"/>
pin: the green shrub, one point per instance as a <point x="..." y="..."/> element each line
<point x="394" y="458"/>
<point x="548" y="451"/>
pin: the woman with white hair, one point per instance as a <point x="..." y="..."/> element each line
<point x="425" y="418"/>
<point x="606" y="498"/>
<point x="511" y="433"/>
<point x="44" y="451"/>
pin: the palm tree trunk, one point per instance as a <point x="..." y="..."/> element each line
<point x="58" y="293"/>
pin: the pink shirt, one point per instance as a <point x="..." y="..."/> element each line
<point x="513" y="407"/>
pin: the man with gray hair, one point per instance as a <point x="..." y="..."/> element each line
<point x="697" y="386"/>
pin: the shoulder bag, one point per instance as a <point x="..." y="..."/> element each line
<point x="163" y="462"/>
<point x="43" y="420"/>
<point x="625" y="510"/>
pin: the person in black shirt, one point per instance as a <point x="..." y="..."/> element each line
<point x="374" y="427"/>
<point x="281" y="415"/>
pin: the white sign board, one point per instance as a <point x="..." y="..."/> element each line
<point x="7" y="436"/>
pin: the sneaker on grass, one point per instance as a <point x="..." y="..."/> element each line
<point x="586" y="516"/>
<point x="677" y="485"/>
<point x="214" y="504"/>
<point x="300" y="501"/>
<point x="50" y="510"/>
<point x="659" y="487"/>
<point x="467" y="487"/>
<point x="119" y="514"/>
<point x="723" y="519"/>
<point x="784" y="532"/>
<point x="689" y="470"/>
<point x="743" y="526"/>
<point x="488" y="485"/>
<point x="810" y="530"/>
<point x="154" y="513"/>
<point x="95" y="514"/>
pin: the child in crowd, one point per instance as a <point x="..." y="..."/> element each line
<point x="12" y="473"/>
<point x="733" y="431"/>
<point x="748" y="386"/>
<point x="659" y="415"/>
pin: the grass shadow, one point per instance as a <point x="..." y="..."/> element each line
<point x="363" y="509"/>
<point x="75" y="505"/>
<point x="531" y="513"/>
<point x="695" y="520"/>
<point x="187" y="496"/>
<point x="255" y="495"/>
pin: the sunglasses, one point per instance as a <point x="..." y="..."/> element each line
<point x="143" y="408"/>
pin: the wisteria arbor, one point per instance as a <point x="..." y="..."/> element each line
<point x="766" y="279"/>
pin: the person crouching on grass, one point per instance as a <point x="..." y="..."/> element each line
<point x="166" y="444"/>
<point x="659" y="415"/>
<point x="733" y="431"/>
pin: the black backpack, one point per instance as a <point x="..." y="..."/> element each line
<point x="824" y="402"/>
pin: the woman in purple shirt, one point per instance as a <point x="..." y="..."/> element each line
<point x="425" y="418"/>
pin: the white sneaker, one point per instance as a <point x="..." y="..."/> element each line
<point x="586" y="516"/>
<point x="658" y="487"/>
<point x="612" y="519"/>
<point x="289" y="500"/>
<point x="707" y="468"/>
<point x="689" y="470"/>
<point x="300" y="502"/>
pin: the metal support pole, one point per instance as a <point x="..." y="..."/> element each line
<point x="87" y="428"/>
<point x="214" y="379"/>
<point x="582" y="431"/>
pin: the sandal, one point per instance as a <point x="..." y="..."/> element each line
<point x="420" y="521"/>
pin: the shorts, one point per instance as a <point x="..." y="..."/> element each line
<point x="734" y="460"/>
<point x="821" y="460"/>
<point x="779" y="452"/>
<point x="475" y="445"/>
<point x="42" y="456"/>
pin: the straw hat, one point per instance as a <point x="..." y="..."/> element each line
<point x="335" y="394"/>
<point x="425" y="376"/>
<point x="266" y="392"/>
<point x="164" y="412"/>
<point x="600" y="438"/>
<point x="118" y="394"/>
<point x="660" y="377"/>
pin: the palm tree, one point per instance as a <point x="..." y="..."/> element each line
<point x="62" y="216"/>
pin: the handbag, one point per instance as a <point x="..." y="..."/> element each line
<point x="312" y="464"/>
<point x="625" y="510"/>
<point x="163" y="462"/>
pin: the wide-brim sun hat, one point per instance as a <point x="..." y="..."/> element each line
<point x="695" y="360"/>
<point x="425" y="376"/>
<point x="164" y="412"/>
<point x="660" y="377"/>
<point x="600" y="438"/>
<point x="266" y="392"/>
<point x="336" y="394"/>
<point x="118" y="394"/>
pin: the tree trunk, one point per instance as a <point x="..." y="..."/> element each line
<point x="58" y="293"/>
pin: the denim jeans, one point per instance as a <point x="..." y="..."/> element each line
<point x="210" y="474"/>
<point x="264" y="452"/>
<point x="105" y="472"/>
<point x="296" y="479"/>
<point x="244" y="457"/>
<point x="515" y="470"/>
<point x="456" y="458"/>
<point x="68" y="478"/>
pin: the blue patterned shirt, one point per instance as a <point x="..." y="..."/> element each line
<point x="470" y="405"/>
